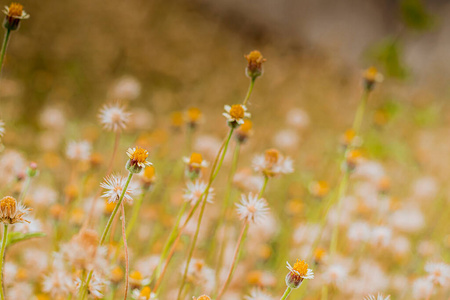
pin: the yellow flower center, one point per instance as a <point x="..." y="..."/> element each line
<point x="139" y="155"/>
<point x="117" y="274"/>
<point x="177" y="119"/>
<point x="246" y="127"/>
<point x="8" y="204"/>
<point x="149" y="172"/>
<point x="196" y="158"/>
<point x="199" y="265"/>
<point x="319" y="254"/>
<point x="194" y="114"/>
<point x="349" y="135"/>
<point x="272" y="156"/>
<point x="301" y="267"/>
<point x="371" y="74"/>
<point x="145" y="292"/>
<point x="255" y="57"/>
<point x="15" y="10"/>
<point x="204" y="297"/>
<point x="237" y="112"/>
<point x="136" y="275"/>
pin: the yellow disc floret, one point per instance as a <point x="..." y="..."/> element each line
<point x="301" y="267"/>
<point x="145" y="292"/>
<point x="237" y="112"/>
<point x="15" y="10"/>
<point x="196" y="158"/>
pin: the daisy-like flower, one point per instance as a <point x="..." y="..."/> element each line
<point x="335" y="274"/>
<point x="195" y="191"/>
<point x="79" y="150"/>
<point x="379" y="297"/>
<point x="236" y="114"/>
<point x="258" y="294"/>
<point x="14" y="13"/>
<point x="144" y="294"/>
<point x="113" y="117"/>
<point x="193" y="116"/>
<point x="138" y="159"/>
<point x="194" y="164"/>
<point x="137" y="280"/>
<point x="438" y="273"/>
<point x="58" y="283"/>
<point x="254" y="68"/>
<point x="252" y="208"/>
<point x="114" y="185"/>
<point x="11" y="212"/>
<point x="372" y="76"/>
<point x="272" y="163"/>
<point x="422" y="288"/>
<point x="297" y="273"/>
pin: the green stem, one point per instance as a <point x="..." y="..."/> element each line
<point x="360" y="112"/>
<point x="202" y="210"/>
<point x="135" y="213"/>
<point x="105" y="232"/>
<point x="263" y="189"/>
<point x="24" y="190"/>
<point x="249" y="91"/>
<point x="286" y="293"/>
<point x="2" y="256"/>
<point x="4" y="46"/>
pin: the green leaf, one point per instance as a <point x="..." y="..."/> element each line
<point x="15" y="237"/>
<point x="415" y="15"/>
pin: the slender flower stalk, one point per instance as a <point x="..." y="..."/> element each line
<point x="214" y="173"/>
<point x="135" y="213"/>
<point x="2" y="259"/>
<point x="125" y="245"/>
<point x="286" y="293"/>
<point x="249" y="91"/>
<point x="4" y="46"/>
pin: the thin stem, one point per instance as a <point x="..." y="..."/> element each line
<point x="263" y="189"/>
<point x="235" y="260"/>
<point x="202" y="210"/>
<point x="24" y="190"/>
<point x="136" y="210"/>
<point x="360" y="112"/>
<point x="4" y="46"/>
<point x="2" y="256"/>
<point x="286" y="293"/>
<point x="124" y="238"/>
<point x="249" y="91"/>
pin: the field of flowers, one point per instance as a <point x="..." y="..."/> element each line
<point x="234" y="174"/>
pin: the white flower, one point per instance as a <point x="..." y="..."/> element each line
<point x="127" y="88"/>
<point x="113" y="117"/>
<point x="143" y="294"/>
<point x="58" y="284"/>
<point x="114" y="185"/>
<point x="252" y="208"/>
<point x="438" y="273"/>
<point x="335" y="274"/>
<point x="422" y="288"/>
<point x="298" y="118"/>
<point x="79" y="150"/>
<point x="236" y="113"/>
<point x="359" y="231"/>
<point x="308" y="275"/>
<point x="195" y="191"/>
<point x="379" y="297"/>
<point x="272" y="163"/>
<point x="381" y="236"/>
<point x="258" y="294"/>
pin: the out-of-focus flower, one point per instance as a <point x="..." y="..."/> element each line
<point x="422" y="288"/>
<point x="297" y="118"/>
<point x="193" y="116"/>
<point x="372" y="76"/>
<point x="114" y="185"/>
<point x="80" y="151"/>
<point x="258" y="294"/>
<point x="196" y="190"/>
<point x="143" y="294"/>
<point x="272" y="163"/>
<point x="378" y="297"/>
<point x="252" y="208"/>
<point x="127" y="88"/>
<point x="319" y="188"/>
<point x="298" y="273"/>
<point x="244" y="131"/>
<point x="335" y="274"/>
<point x="113" y="117"/>
<point x="438" y="273"/>
<point x="202" y="297"/>
<point x="381" y="236"/>
<point x="136" y="279"/>
<point x="254" y="68"/>
<point x="194" y="164"/>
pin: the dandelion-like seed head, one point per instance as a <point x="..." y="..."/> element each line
<point x="254" y="68"/>
<point x="113" y="117"/>
<point x="252" y="208"/>
<point x="298" y="273"/>
<point x="14" y="13"/>
<point x="11" y="212"/>
<point x="138" y="159"/>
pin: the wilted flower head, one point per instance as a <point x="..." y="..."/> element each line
<point x="11" y="212"/>
<point x="254" y="68"/>
<point x="14" y="13"/>
<point x="297" y="273"/>
<point x="252" y="208"/>
<point x="113" y="117"/>
<point x="236" y="114"/>
<point x="138" y="159"/>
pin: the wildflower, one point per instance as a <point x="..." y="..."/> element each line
<point x="236" y="114"/>
<point x="252" y="208"/>
<point x="319" y="188"/>
<point x="144" y="294"/>
<point x="195" y="163"/>
<point x="14" y="13"/>
<point x="358" y="231"/>
<point x="113" y="117"/>
<point x="286" y="139"/>
<point x="80" y="151"/>
<point x="177" y="120"/>
<point x="244" y="131"/>
<point x="148" y="177"/>
<point x="11" y="212"/>
<point x="379" y="297"/>
<point x="319" y="255"/>
<point x="438" y="273"/>
<point x="2" y="128"/>
<point x="371" y="76"/>
<point x="32" y="170"/>
<point x="193" y="116"/>
<point x="352" y="159"/>
<point x="114" y="185"/>
<point x="335" y="274"/>
<point x="422" y="288"/>
<point x="126" y="88"/>
<point x="202" y="297"/>
<point x="138" y="159"/>
<point x="381" y="236"/>
<point x="272" y="163"/>
<point x="137" y="280"/>
<point x="200" y="275"/>
<point x="116" y="275"/>
<point x="297" y="273"/>
<point x="58" y="283"/>
<point x="96" y="285"/>
<point x="196" y="190"/>
<point x="254" y="68"/>
<point x="297" y="118"/>
<point x="258" y="294"/>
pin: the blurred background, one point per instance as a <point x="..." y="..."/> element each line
<point x="170" y="55"/>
